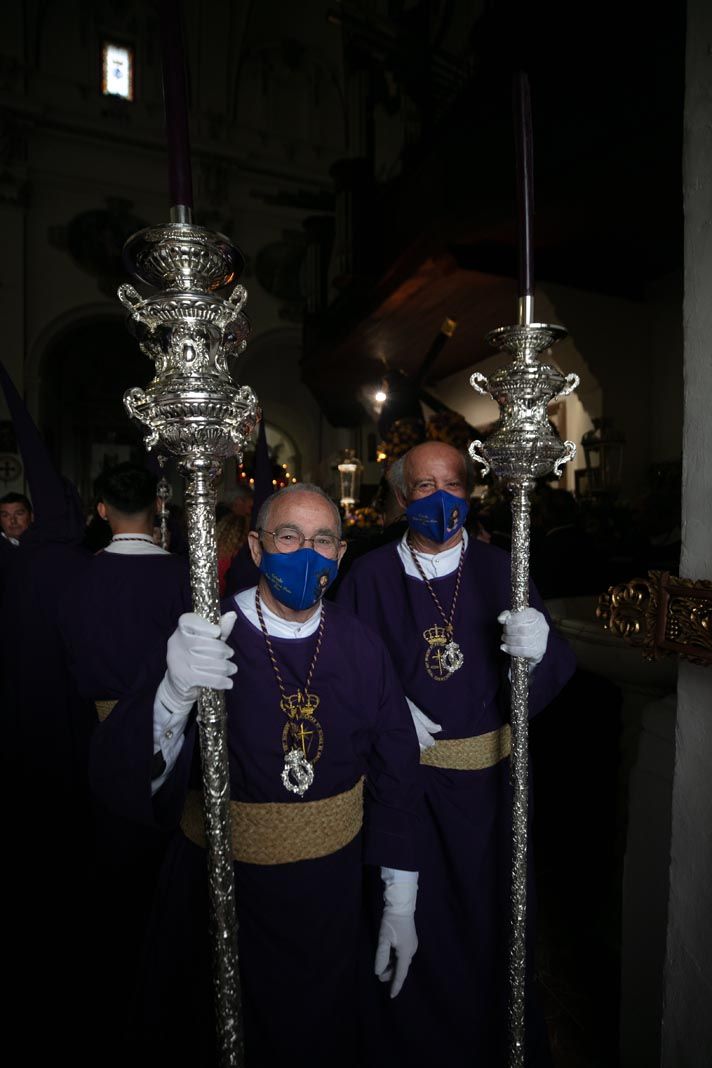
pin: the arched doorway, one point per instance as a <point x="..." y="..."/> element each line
<point x="84" y="373"/>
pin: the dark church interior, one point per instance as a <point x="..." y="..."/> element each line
<point x="364" y="164"/>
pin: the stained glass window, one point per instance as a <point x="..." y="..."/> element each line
<point x="117" y="71"/>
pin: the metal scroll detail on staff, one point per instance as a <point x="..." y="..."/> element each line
<point x="523" y="446"/>
<point x="164" y="493"/>
<point x="190" y="325"/>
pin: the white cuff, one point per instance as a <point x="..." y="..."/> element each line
<point x="168" y="729"/>
<point x="396" y="875"/>
<point x="171" y="700"/>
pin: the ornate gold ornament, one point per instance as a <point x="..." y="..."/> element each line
<point x="443" y="656"/>
<point x="663" y="615"/>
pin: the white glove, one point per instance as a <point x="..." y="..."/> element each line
<point x="525" y="634"/>
<point x="197" y="656"/>
<point x="397" y="931"/>
<point x="424" y="727"/>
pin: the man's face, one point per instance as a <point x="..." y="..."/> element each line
<point x="14" y="519"/>
<point x="434" y="467"/>
<point x="298" y="514"/>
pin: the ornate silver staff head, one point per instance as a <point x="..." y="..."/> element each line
<point x="524" y="445"/>
<point x="191" y="407"/>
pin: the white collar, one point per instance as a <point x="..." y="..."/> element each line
<point x="134" y="545"/>
<point x="435" y="565"/>
<point x="276" y="626"/>
<point x="8" y="537"/>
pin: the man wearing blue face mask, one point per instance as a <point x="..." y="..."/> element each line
<point x="438" y="600"/>
<point x="324" y="779"/>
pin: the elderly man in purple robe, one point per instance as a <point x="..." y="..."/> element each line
<point x="438" y="599"/>
<point x="324" y="779"/>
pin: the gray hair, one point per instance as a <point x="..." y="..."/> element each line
<point x="396" y="476"/>
<point x="396" y="473"/>
<point x="296" y="487"/>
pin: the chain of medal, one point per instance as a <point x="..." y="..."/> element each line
<point x="303" y="735"/>
<point x="443" y="657"/>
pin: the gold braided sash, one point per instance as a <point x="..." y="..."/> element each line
<point x="470" y="754"/>
<point x="277" y="832"/>
<point x="104" y="708"/>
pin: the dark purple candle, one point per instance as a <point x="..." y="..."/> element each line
<point x="176" y="103"/>
<point x="525" y="186"/>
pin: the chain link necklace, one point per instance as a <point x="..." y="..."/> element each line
<point x="443" y="657"/>
<point x="303" y="736"/>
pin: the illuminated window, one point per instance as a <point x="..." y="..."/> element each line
<point x="117" y="71"/>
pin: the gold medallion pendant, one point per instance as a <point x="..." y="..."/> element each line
<point x="443" y="657"/>
<point x="302" y="735"/>
<point x="302" y="740"/>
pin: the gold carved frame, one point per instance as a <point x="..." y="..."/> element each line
<point x="662" y="614"/>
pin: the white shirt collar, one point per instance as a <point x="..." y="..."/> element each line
<point x="134" y="545"/>
<point x="435" y="565"/>
<point x="276" y="626"/>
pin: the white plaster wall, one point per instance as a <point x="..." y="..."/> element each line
<point x="687" y="1019"/>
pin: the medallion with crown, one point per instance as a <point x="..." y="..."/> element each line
<point x="302" y="740"/>
<point x="301" y="703"/>
<point x="443" y="656"/>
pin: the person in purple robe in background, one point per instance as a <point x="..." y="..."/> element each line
<point x="45" y="726"/>
<point x="323" y="762"/>
<point x="44" y="740"/>
<point x="15" y="518"/>
<point x="123" y="609"/>
<point x="437" y="600"/>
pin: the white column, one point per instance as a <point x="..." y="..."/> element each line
<point x="687" y="1012"/>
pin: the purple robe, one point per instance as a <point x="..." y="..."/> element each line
<point x="299" y="922"/>
<point x="44" y="724"/>
<point x="452" y="1008"/>
<point x="44" y="738"/>
<point x="123" y="607"/>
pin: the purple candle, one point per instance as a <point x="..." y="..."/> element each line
<point x="525" y="187"/>
<point x="176" y="104"/>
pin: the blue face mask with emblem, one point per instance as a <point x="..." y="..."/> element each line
<point x="438" y="516"/>
<point x="300" y="578"/>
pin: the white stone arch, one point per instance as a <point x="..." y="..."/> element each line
<point x="52" y="334"/>
<point x="271" y="366"/>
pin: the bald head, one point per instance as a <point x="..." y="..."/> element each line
<point x="429" y="467"/>
<point x="299" y="494"/>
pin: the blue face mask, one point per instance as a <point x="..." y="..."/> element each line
<point x="298" y="579"/>
<point x="438" y="516"/>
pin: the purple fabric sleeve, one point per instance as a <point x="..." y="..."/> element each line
<point x="121" y="759"/>
<point x="393" y="792"/>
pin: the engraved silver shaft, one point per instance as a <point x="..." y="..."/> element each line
<point x="200" y="500"/>
<point x="523" y="446"/>
<point x="520" y="490"/>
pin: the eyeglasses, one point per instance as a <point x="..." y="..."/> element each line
<point x="288" y="540"/>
